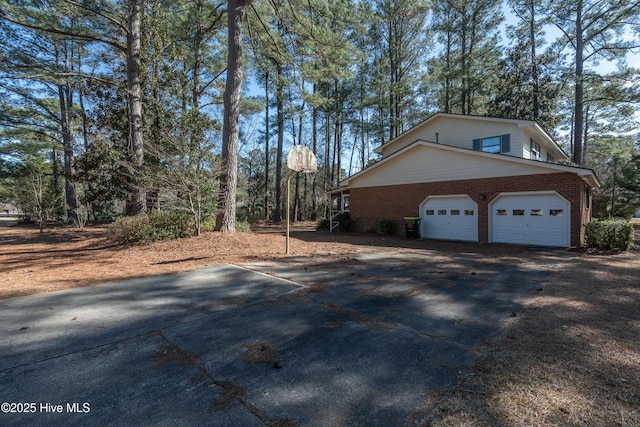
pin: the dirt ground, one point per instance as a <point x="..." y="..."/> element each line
<point x="571" y="357"/>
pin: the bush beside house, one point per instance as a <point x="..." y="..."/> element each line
<point x="609" y="234"/>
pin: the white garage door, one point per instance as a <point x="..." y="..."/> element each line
<point x="449" y="218"/>
<point x="535" y="219"/>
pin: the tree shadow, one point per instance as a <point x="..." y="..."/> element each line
<point x="571" y="358"/>
<point x="361" y="346"/>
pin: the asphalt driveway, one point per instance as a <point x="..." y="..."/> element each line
<point x="363" y="344"/>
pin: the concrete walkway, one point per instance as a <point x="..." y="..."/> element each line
<point x="231" y="346"/>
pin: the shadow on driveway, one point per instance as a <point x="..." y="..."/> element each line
<point x="362" y="342"/>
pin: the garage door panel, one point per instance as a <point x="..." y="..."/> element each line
<point x="538" y="219"/>
<point x="450" y="218"/>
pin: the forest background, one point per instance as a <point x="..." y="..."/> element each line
<point x="188" y="107"/>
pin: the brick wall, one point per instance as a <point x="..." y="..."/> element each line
<point x="372" y="204"/>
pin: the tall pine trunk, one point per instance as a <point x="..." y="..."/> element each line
<point x="66" y="129"/>
<point x="297" y="203"/>
<point x="314" y="139"/>
<point x="327" y="155"/>
<point x="64" y="94"/>
<point x="266" y="146"/>
<point x="226" y="218"/>
<point x="448" y="84"/>
<point x="579" y="95"/>
<point x="139" y="200"/>
<point x="196" y="136"/>
<point x="277" y="216"/>
<point x="534" y="61"/>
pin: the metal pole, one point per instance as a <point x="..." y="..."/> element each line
<point x="288" y="209"/>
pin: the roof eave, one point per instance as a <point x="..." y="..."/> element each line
<point x="587" y="175"/>
<point x="520" y="122"/>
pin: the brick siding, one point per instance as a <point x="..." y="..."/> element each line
<point x="370" y="205"/>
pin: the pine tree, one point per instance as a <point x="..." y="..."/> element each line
<point x="102" y="23"/>
<point x="526" y="87"/>
<point x="465" y="68"/>
<point x="225" y="220"/>
<point x="592" y="31"/>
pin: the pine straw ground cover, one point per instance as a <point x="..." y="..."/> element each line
<point x="570" y="357"/>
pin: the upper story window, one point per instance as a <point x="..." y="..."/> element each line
<point x="550" y="158"/>
<point x="535" y="151"/>
<point x="490" y="145"/>
<point x="493" y="144"/>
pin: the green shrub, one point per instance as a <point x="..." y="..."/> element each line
<point x="386" y="226"/>
<point x="208" y="223"/>
<point x="129" y="229"/>
<point x="243" y="226"/>
<point x="150" y="227"/>
<point x="609" y="234"/>
<point x="168" y="226"/>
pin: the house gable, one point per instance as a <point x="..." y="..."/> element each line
<point x="464" y="180"/>
<point x="428" y="162"/>
<point x="461" y="131"/>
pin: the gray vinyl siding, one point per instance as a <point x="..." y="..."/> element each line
<point x="460" y="132"/>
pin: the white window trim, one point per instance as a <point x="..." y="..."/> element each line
<point x="534" y="153"/>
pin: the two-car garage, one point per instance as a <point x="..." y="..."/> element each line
<point x="530" y="218"/>
<point x="463" y="194"/>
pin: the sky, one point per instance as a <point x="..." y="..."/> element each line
<point x="551" y="34"/>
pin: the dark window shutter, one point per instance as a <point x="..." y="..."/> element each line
<point x="506" y="143"/>
<point x="476" y="144"/>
